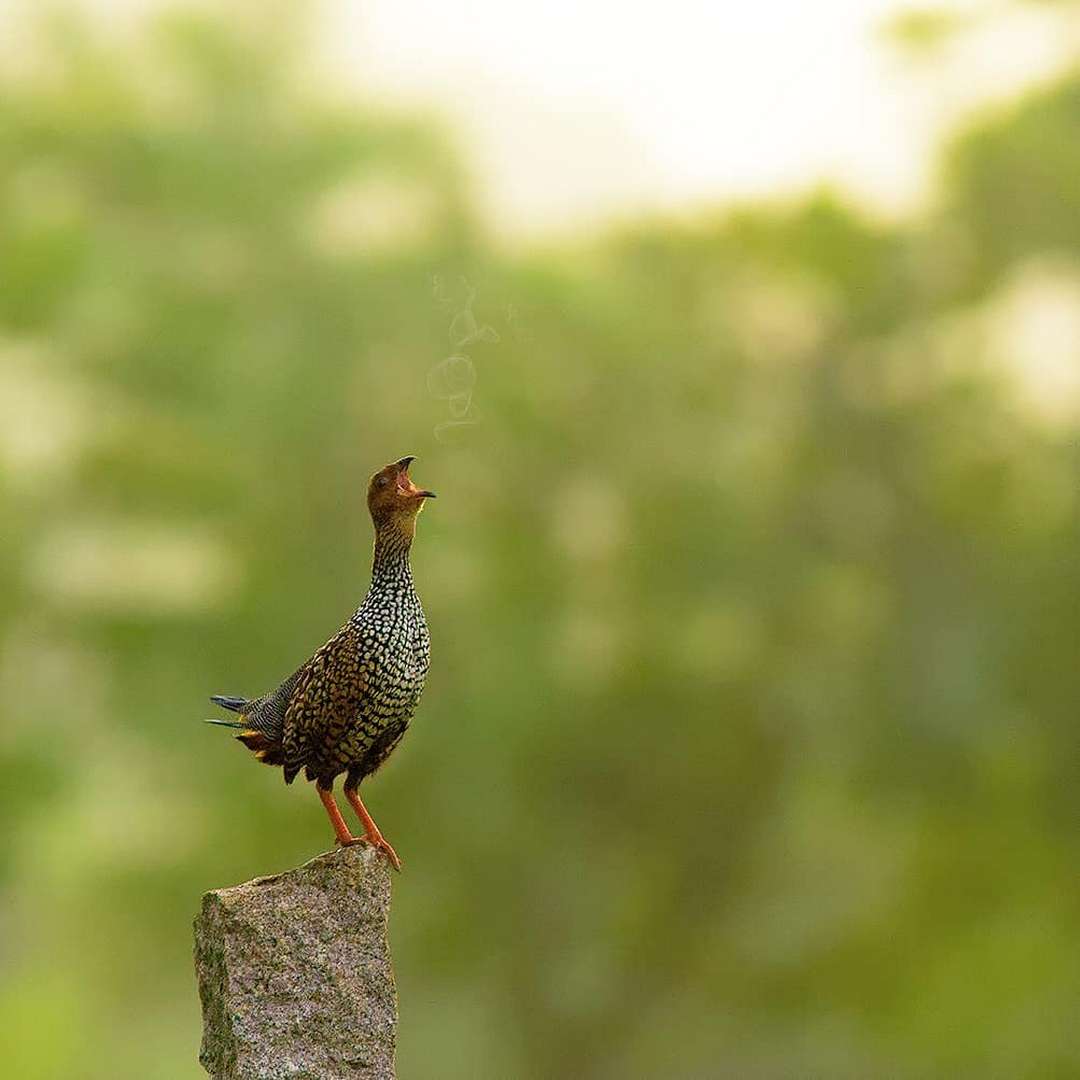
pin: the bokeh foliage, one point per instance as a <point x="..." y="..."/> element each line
<point x="749" y="747"/>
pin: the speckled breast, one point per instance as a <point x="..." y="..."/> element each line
<point x="395" y="656"/>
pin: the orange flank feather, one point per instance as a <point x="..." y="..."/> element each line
<point x="265" y="749"/>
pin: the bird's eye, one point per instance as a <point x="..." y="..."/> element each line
<point x="382" y="481"/>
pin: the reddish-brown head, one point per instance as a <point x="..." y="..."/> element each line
<point x="393" y="499"/>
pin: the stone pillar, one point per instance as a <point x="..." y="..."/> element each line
<point x="294" y="973"/>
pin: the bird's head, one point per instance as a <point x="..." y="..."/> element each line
<point x="393" y="499"/>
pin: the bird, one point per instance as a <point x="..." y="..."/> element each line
<point x="346" y="708"/>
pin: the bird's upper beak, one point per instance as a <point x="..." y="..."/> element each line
<point x="410" y="488"/>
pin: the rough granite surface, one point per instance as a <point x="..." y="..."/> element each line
<point x="294" y="973"/>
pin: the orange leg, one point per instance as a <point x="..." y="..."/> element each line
<point x="341" y="830"/>
<point x="373" y="836"/>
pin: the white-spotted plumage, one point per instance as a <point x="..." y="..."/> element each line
<point x="348" y="706"/>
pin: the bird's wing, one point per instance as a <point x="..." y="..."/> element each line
<point x="267" y="714"/>
<point x="325" y="699"/>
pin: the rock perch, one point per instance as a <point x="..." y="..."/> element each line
<point x="294" y="973"/>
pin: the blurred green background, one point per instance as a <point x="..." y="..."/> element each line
<point x="749" y="746"/>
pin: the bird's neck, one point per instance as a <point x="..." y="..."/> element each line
<point x="390" y="564"/>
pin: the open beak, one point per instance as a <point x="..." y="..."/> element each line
<point x="410" y="488"/>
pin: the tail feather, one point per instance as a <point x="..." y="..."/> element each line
<point x="236" y="704"/>
<point x="265" y="744"/>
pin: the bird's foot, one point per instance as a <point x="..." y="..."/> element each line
<point x="377" y="842"/>
<point x="380" y="843"/>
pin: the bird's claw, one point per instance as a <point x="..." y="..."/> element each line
<point x="384" y="846"/>
<point x="379" y="844"/>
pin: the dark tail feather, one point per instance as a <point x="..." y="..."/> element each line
<point x="236" y="704"/>
<point x="267" y="748"/>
